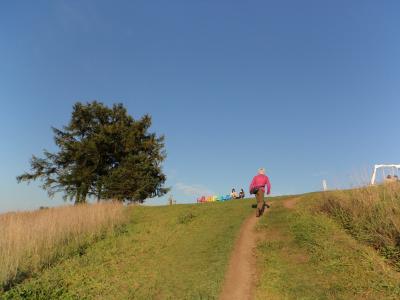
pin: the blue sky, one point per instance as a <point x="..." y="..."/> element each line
<point x="310" y="90"/>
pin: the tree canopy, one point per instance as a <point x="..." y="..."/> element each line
<point x="103" y="153"/>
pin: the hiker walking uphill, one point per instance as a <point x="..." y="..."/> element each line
<point x="257" y="187"/>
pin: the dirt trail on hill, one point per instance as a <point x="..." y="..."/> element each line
<point x="240" y="279"/>
<point x="241" y="275"/>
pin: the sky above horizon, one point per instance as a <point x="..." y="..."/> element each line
<point x="307" y="89"/>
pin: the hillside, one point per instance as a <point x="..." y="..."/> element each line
<point x="183" y="251"/>
<point x="170" y="252"/>
<point x="305" y="254"/>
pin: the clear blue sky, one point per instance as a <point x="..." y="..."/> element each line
<point x="307" y="89"/>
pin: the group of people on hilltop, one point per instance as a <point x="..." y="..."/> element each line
<point x="235" y="195"/>
<point x="259" y="186"/>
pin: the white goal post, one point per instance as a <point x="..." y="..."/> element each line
<point x="376" y="167"/>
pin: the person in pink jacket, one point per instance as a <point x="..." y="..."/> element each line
<point x="257" y="187"/>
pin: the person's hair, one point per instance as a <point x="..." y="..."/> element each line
<point x="261" y="171"/>
<point x="233" y="190"/>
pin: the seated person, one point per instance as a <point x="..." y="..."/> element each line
<point x="234" y="194"/>
<point x="390" y="178"/>
<point x="241" y="194"/>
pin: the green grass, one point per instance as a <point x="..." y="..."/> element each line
<point x="370" y="214"/>
<point x="174" y="252"/>
<point x="306" y="255"/>
<point x="182" y="251"/>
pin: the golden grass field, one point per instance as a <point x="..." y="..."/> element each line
<point x="32" y="240"/>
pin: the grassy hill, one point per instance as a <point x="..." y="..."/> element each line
<point x="306" y="254"/>
<point x="313" y="246"/>
<point x="171" y="252"/>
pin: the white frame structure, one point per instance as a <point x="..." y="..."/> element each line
<point x="376" y="167"/>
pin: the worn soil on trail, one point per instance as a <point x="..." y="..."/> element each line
<point x="241" y="275"/>
<point x="240" y="279"/>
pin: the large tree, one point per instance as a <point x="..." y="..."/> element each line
<point x="103" y="153"/>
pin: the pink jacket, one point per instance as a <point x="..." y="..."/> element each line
<point x="259" y="181"/>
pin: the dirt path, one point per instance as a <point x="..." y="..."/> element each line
<point x="241" y="275"/>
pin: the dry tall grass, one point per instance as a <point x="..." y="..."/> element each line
<point x="371" y="214"/>
<point x="31" y="240"/>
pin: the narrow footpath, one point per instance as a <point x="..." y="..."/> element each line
<point x="241" y="274"/>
